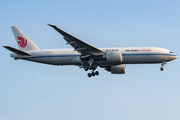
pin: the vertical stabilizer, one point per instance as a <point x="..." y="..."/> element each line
<point x="24" y="43"/>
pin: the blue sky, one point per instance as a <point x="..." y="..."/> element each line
<point x="36" y="91"/>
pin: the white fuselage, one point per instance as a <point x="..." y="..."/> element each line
<point x="136" y="55"/>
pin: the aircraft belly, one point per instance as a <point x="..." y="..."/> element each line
<point x="63" y="60"/>
<point x="41" y="60"/>
<point x="52" y="60"/>
<point x="106" y="63"/>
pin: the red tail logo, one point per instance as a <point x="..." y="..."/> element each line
<point x="22" y="42"/>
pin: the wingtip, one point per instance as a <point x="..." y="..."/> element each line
<point x="51" y="25"/>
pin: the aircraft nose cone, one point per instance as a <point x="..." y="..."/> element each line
<point x="175" y="56"/>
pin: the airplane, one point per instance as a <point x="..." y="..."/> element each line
<point x="86" y="56"/>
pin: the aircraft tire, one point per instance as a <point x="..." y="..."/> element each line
<point x="161" y="68"/>
<point x="86" y="68"/>
<point x="93" y="74"/>
<point x="89" y="74"/>
<point x="97" y="73"/>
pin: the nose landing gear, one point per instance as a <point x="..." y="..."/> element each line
<point x="162" y="64"/>
<point x="161" y="68"/>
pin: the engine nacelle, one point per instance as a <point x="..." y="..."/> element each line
<point x="113" y="56"/>
<point x="118" y="69"/>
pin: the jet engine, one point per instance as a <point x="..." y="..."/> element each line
<point x="118" y="69"/>
<point x="113" y="56"/>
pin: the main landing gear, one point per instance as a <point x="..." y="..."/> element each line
<point x="93" y="74"/>
<point x="93" y="68"/>
<point x="162" y="64"/>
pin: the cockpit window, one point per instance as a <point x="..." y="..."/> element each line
<point x="170" y="52"/>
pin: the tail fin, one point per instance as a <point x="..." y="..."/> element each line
<point x="24" y="43"/>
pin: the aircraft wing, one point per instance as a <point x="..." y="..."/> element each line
<point x="78" y="45"/>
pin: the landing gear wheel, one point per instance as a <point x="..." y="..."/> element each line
<point x="93" y="68"/>
<point x="97" y="73"/>
<point x="161" y="68"/>
<point x="86" y="68"/>
<point x="89" y="74"/>
<point x="93" y="74"/>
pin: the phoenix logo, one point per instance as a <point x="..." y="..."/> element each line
<point x="22" y="42"/>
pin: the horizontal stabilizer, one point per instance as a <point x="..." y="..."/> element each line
<point x="17" y="51"/>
